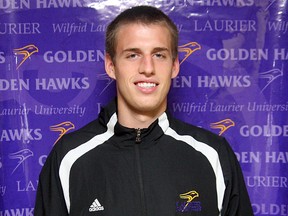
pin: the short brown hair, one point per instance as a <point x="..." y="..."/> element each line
<point x="140" y="14"/>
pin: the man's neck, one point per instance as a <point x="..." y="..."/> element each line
<point x="137" y="120"/>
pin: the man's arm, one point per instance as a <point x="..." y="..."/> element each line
<point x="50" y="199"/>
<point x="236" y="199"/>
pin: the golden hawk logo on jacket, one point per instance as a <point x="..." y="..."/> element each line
<point x="188" y="202"/>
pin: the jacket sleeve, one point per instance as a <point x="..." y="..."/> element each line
<point x="50" y="199"/>
<point x="236" y="199"/>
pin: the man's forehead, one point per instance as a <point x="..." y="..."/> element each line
<point x="138" y="25"/>
<point x="154" y="33"/>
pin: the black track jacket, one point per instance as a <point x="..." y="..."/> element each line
<point x="168" y="169"/>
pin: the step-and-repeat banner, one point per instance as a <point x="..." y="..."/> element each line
<point x="233" y="82"/>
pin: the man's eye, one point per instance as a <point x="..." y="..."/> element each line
<point x="132" y="56"/>
<point x="159" y="55"/>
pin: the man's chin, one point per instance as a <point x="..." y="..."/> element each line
<point x="150" y="108"/>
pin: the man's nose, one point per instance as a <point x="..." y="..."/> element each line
<point x="147" y="65"/>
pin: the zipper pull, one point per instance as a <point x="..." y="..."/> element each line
<point x="138" y="135"/>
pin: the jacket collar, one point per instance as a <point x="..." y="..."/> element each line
<point x="126" y="137"/>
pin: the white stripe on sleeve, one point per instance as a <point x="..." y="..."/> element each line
<point x="70" y="158"/>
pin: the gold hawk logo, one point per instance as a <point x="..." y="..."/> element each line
<point x="63" y="128"/>
<point x="270" y="76"/>
<point x="188" y="49"/>
<point x="20" y="156"/>
<point x="223" y="125"/>
<point x="25" y="52"/>
<point x="189" y="196"/>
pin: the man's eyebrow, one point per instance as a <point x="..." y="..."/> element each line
<point x="160" y="49"/>
<point x="131" y="50"/>
<point x="156" y="49"/>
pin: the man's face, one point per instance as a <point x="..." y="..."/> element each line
<point x="143" y="68"/>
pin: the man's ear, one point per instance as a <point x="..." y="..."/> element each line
<point x="109" y="66"/>
<point x="175" y="68"/>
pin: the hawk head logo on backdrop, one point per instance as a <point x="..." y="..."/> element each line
<point x="223" y="125"/>
<point x="20" y="156"/>
<point x="270" y="76"/>
<point x="62" y="128"/>
<point x="24" y="53"/>
<point x="187" y="49"/>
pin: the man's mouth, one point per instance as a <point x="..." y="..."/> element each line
<point x="146" y="84"/>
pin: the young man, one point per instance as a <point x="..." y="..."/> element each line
<point x="135" y="159"/>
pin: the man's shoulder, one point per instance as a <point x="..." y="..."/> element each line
<point x="199" y="134"/>
<point x="79" y="136"/>
<point x="84" y="134"/>
<point x="183" y="128"/>
<point x="74" y="143"/>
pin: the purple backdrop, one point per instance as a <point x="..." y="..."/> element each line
<point x="233" y="81"/>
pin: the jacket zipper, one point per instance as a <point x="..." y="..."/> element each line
<point x="139" y="172"/>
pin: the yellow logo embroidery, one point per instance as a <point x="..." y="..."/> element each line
<point x="189" y="196"/>
<point x="223" y="125"/>
<point x="188" y="49"/>
<point x="63" y="128"/>
<point x="25" y="52"/>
